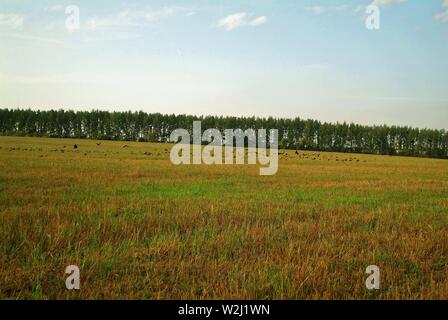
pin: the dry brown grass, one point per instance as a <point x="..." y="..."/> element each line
<point x="139" y="227"/>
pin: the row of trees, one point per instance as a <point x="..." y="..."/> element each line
<point x="293" y="133"/>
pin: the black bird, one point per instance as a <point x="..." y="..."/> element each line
<point x="75" y="147"/>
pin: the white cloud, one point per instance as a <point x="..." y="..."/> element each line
<point x="318" y="9"/>
<point x="386" y="2"/>
<point x="442" y="16"/>
<point x="11" y="21"/>
<point x="361" y="9"/>
<point x="327" y="9"/>
<point x="154" y="15"/>
<point x="258" y="21"/>
<point x="29" y="37"/>
<point x="239" y="19"/>
<point x="132" y="18"/>
<point x="233" y="21"/>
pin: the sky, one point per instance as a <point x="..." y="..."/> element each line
<point x="298" y="58"/>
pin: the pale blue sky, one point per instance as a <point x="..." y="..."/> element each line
<point x="313" y="59"/>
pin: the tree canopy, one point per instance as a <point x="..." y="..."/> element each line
<point x="293" y="133"/>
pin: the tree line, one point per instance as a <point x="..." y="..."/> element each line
<point x="294" y="133"/>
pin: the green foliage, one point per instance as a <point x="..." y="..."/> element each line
<point x="293" y="133"/>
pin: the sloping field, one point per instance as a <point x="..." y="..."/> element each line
<point x="139" y="227"/>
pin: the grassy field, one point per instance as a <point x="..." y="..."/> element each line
<point x="140" y="227"/>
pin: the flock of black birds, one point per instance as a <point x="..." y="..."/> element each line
<point x="319" y="157"/>
<point x="283" y="155"/>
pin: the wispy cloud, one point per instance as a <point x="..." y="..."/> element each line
<point x="233" y="21"/>
<point x="11" y="21"/>
<point x="318" y="10"/>
<point x="55" y="8"/>
<point x="359" y="8"/>
<point x="386" y="2"/>
<point x="342" y="7"/>
<point x="240" y="19"/>
<point x="442" y="16"/>
<point x="258" y="21"/>
<point x="30" y="38"/>
<point x="132" y="18"/>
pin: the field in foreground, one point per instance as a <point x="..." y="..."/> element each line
<point x="140" y="227"/>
